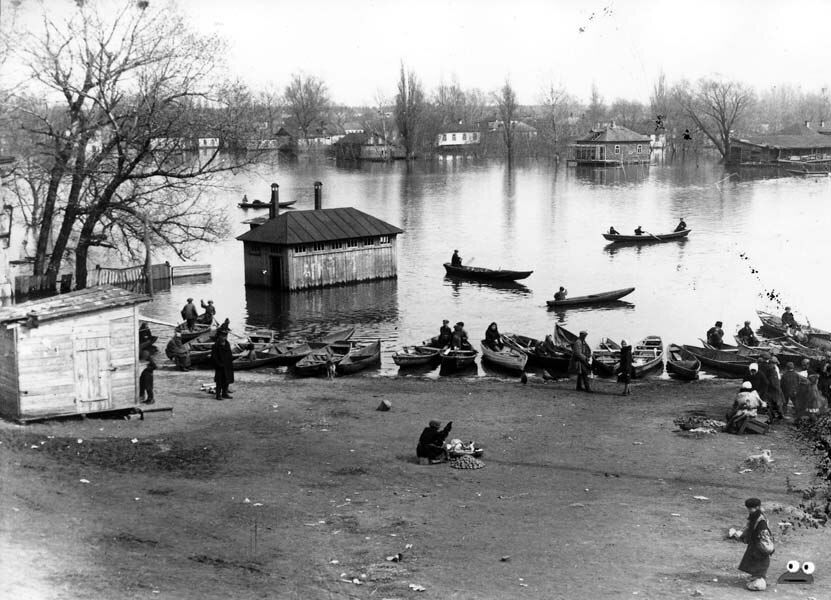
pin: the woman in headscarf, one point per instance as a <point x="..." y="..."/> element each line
<point x="625" y="375"/>
<point x="759" y="540"/>
<point x="493" y="339"/>
<point x="745" y="406"/>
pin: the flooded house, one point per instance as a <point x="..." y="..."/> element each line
<point x="70" y="354"/>
<point x="458" y="138"/>
<point x="302" y="249"/>
<point x="367" y="146"/>
<point x="609" y="146"/>
<point x="799" y="147"/>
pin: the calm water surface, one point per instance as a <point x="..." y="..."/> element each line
<point x="749" y="237"/>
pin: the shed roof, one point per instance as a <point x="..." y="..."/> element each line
<point x="326" y="224"/>
<point x="808" y="140"/>
<point x="613" y="133"/>
<point x="73" y="303"/>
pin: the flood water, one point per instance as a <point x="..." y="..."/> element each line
<point x="751" y="237"/>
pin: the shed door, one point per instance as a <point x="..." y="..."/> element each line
<point x="92" y="372"/>
<point x="277" y="275"/>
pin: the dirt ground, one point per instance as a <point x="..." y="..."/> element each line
<point x="300" y="489"/>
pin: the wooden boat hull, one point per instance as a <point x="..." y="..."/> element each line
<point x="316" y="361"/>
<point x="189" y="334"/>
<point x="646" y="238"/>
<point x="262" y="358"/>
<point x="647" y="355"/>
<point x="360" y="358"/>
<point x="725" y="362"/>
<point x="539" y="354"/>
<point x="416" y="356"/>
<point x="814" y="337"/>
<point x="247" y="205"/>
<point x="508" y="358"/>
<point x="457" y="360"/>
<point x="606" y="358"/>
<point x="485" y="274"/>
<point x="682" y="363"/>
<point x="591" y="298"/>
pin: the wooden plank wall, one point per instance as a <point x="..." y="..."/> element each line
<point x="362" y="263"/>
<point x="48" y="349"/>
<point x="9" y="399"/>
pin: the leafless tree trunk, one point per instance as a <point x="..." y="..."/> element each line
<point x="307" y="100"/>
<point x="409" y="109"/>
<point x="506" y="103"/>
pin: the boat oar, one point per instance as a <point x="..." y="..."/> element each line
<point x="655" y="236"/>
<point x="470" y="260"/>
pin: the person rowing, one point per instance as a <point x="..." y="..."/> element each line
<point x="681" y="225"/>
<point x="613" y="231"/>
<point x="561" y="294"/>
<point x="746" y="335"/>
<point x="639" y="230"/>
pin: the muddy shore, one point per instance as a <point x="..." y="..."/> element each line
<point x="301" y="489"/>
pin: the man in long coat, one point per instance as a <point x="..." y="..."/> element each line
<point x="222" y="359"/>
<point x="190" y="314"/>
<point x="580" y="355"/>
<point x="755" y="561"/>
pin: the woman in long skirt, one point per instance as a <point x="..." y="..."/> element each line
<point x="625" y="375"/>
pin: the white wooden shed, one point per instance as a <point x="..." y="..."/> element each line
<point x="75" y="353"/>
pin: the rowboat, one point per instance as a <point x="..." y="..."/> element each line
<point x="506" y="358"/>
<point x="682" y="363"/>
<point x="486" y="274"/>
<point x="457" y="359"/>
<point x="290" y="352"/>
<point x="646" y="237"/>
<point x="544" y="354"/>
<point x="809" y="173"/>
<point x="606" y="358"/>
<point x="253" y="359"/>
<point x="592" y="298"/>
<point x="317" y="360"/>
<point x="648" y="354"/>
<point x="563" y="338"/>
<point x="810" y="336"/>
<point x="416" y="356"/>
<point x="360" y="358"/>
<point x="725" y="362"/>
<point x="261" y="204"/>
<point x="189" y="334"/>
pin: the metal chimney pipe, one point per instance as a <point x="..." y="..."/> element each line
<point x="274" y="206"/>
<point x="318" y="195"/>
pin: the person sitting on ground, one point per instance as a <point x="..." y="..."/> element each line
<point x="431" y="441"/>
<point x="745" y="406"/>
<point x="747" y="336"/>
<point x="613" y="231"/>
<point x="790" y="386"/>
<point x="456" y="260"/>
<point x="788" y="319"/>
<point x="445" y="334"/>
<point x="210" y="312"/>
<point x="715" y="335"/>
<point x="639" y="230"/>
<point x="681" y="225"/>
<point x="493" y="339"/>
<point x="561" y="294"/>
<point x="178" y="352"/>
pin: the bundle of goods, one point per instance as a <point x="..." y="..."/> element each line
<point x="466" y="461"/>
<point x="456" y="447"/>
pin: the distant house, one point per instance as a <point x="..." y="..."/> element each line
<point x="367" y="146"/>
<point x="796" y="145"/>
<point x="208" y="143"/>
<point x="304" y="249"/>
<point x="458" y="137"/>
<point x="610" y="145"/>
<point x="282" y="140"/>
<point x="353" y="127"/>
<point x="71" y="354"/>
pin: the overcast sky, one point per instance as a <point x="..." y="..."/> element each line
<point x="356" y="45"/>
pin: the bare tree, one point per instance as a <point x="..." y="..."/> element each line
<point x="716" y="107"/>
<point x="556" y="103"/>
<point x="270" y="102"/>
<point x="137" y="90"/>
<point x="307" y="100"/>
<point x="629" y="113"/>
<point x="596" y="111"/>
<point x="507" y="106"/>
<point x="409" y="110"/>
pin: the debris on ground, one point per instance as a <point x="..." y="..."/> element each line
<point x="417" y="588"/>
<point x="466" y="462"/>
<point x="701" y="497"/>
<point x="805" y="515"/>
<point x="699" y="422"/>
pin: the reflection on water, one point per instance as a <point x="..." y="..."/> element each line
<point x="749" y="234"/>
<point x="574" y="311"/>
<point x="509" y="287"/>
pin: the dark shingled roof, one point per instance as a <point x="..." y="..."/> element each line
<point x="307" y="226"/>
<point x="618" y="133"/>
<point x="71" y="304"/>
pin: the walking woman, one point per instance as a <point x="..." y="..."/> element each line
<point x="625" y="375"/>
<point x="759" y="540"/>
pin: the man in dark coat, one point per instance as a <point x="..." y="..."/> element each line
<point x="178" y="352"/>
<point x="445" y="334"/>
<point x="788" y="319"/>
<point x="790" y="385"/>
<point x="580" y="354"/>
<point x="456" y="260"/>
<point x="222" y="359"/>
<point x="210" y="312"/>
<point x="681" y="225"/>
<point x="715" y="335"/>
<point x="146" y="382"/>
<point x="190" y="314"/>
<point x="431" y="441"/>
<point x="756" y="561"/>
<point x="774" y="398"/>
<point x="747" y="336"/>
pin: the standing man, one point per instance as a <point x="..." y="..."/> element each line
<point x="146" y="382"/>
<point x="759" y="540"/>
<point x="190" y="314"/>
<point x="580" y="354"/>
<point x="456" y="260"/>
<point x="445" y="334"/>
<point x="210" y="312"/>
<point x="222" y="359"/>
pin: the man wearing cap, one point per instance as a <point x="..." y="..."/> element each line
<point x="759" y="540"/>
<point x="190" y="314"/>
<point x="561" y="294"/>
<point x="445" y="334"/>
<point x="210" y="312"/>
<point x="431" y="441"/>
<point x="788" y="319"/>
<point x="789" y="385"/>
<point x="579" y="364"/>
<point x="223" y="362"/>
<point x="456" y="260"/>
<point x="745" y="406"/>
<point x="715" y="335"/>
<point x="459" y="339"/>
<point x="746" y="335"/>
<point x="178" y="352"/>
<point x="775" y="398"/>
<point x="682" y="226"/>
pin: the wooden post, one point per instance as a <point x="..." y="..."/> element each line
<point x="148" y="267"/>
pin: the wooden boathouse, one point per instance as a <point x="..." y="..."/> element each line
<point x="610" y="146"/>
<point x="301" y="249"/>
<point x="797" y="147"/>
<point x="70" y="354"/>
